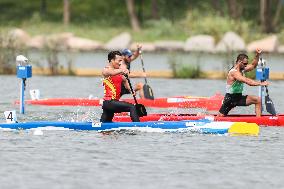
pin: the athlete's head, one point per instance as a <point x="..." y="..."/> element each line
<point x="115" y="58"/>
<point x="242" y="59"/>
<point x="126" y="53"/>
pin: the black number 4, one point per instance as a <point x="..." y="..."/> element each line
<point x="10" y="116"/>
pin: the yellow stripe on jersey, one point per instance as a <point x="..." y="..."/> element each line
<point x="109" y="83"/>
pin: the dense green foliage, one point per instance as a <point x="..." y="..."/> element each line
<point x="101" y="20"/>
<point x="182" y="70"/>
<point x="188" y="71"/>
<point x="168" y="20"/>
<point x="107" y="12"/>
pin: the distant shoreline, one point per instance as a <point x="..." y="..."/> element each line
<point x="67" y="41"/>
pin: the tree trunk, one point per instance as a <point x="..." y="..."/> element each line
<point x="132" y="15"/>
<point x="140" y="11"/>
<point x="66" y="12"/>
<point x="277" y="14"/>
<point x="265" y="18"/>
<point x="235" y="8"/>
<point x="217" y="7"/>
<point x="154" y="9"/>
<point x="43" y="7"/>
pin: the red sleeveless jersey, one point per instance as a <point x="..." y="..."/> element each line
<point x="112" y="87"/>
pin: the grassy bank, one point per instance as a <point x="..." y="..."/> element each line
<point x="163" y="30"/>
<point x="152" y="30"/>
<point x="170" y="20"/>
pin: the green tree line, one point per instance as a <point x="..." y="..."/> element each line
<point x="136" y="13"/>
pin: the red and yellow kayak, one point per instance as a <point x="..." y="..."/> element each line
<point x="265" y="120"/>
<point x="209" y="103"/>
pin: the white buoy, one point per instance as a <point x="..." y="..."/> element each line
<point x="91" y="97"/>
<point x="35" y="94"/>
<point x="21" y="60"/>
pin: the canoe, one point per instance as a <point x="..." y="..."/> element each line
<point x="265" y="120"/>
<point x="209" y="103"/>
<point x="203" y="126"/>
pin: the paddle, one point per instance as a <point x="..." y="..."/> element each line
<point x="268" y="102"/>
<point x="140" y="108"/>
<point x="148" y="92"/>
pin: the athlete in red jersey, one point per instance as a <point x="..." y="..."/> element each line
<point x="113" y="79"/>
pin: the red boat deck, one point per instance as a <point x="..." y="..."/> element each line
<point x="265" y="120"/>
<point x="209" y="103"/>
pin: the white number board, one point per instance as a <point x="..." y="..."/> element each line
<point x="10" y="116"/>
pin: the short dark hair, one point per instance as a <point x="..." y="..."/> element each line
<point x="241" y="57"/>
<point x="111" y="55"/>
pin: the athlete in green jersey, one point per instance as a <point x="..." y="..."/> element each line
<point x="234" y="86"/>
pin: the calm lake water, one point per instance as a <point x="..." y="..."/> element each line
<point x="70" y="159"/>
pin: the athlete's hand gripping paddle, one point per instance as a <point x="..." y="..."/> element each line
<point x="140" y="108"/>
<point x="148" y="92"/>
<point x="268" y="102"/>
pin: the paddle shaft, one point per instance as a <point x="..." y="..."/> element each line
<point x="132" y="91"/>
<point x="266" y="90"/>
<point x="263" y="73"/>
<point x="269" y="107"/>
<point x="148" y="92"/>
<point x="143" y="67"/>
<point x="262" y="67"/>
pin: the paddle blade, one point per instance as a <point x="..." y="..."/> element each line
<point x="269" y="106"/>
<point x="148" y="92"/>
<point x="141" y="110"/>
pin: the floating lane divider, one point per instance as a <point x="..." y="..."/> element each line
<point x="204" y="126"/>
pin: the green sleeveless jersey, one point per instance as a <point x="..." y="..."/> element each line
<point x="236" y="87"/>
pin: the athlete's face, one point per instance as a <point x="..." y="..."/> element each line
<point x="117" y="61"/>
<point x="127" y="58"/>
<point x="244" y="63"/>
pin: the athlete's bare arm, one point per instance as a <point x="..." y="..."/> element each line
<point x="238" y="76"/>
<point x="126" y="84"/>
<point x="254" y="63"/>
<point x="109" y="71"/>
<point x="136" y="53"/>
